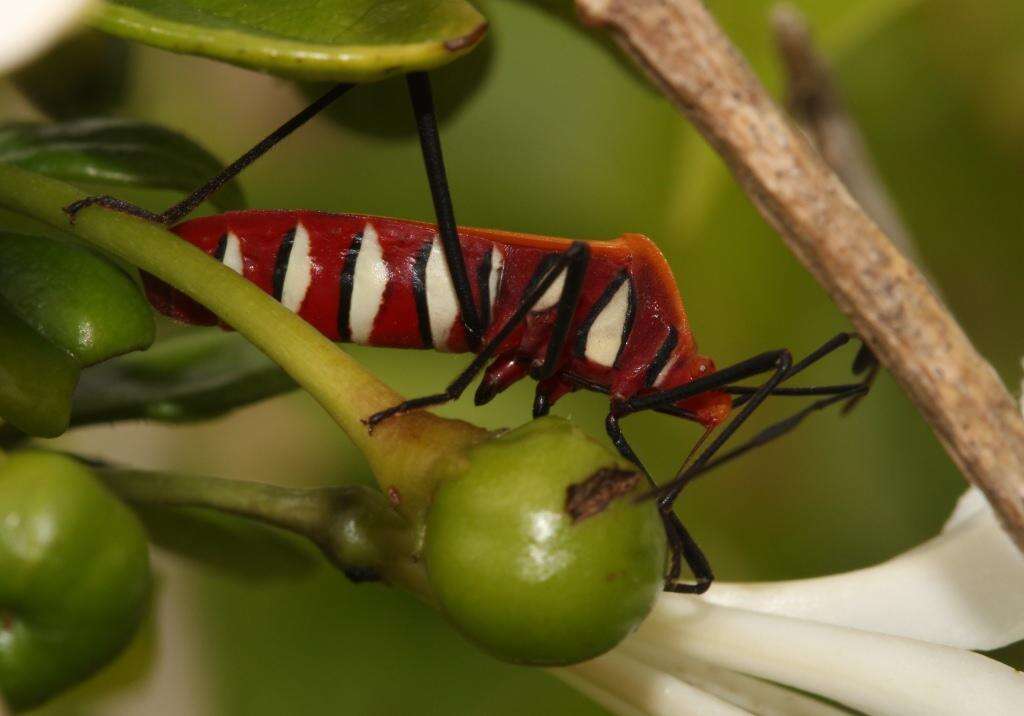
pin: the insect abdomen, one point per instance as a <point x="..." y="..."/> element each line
<point x="385" y="282"/>
<point x="362" y="279"/>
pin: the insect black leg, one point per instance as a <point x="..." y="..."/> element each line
<point x="867" y="364"/>
<point x="782" y="427"/>
<point x="745" y="391"/>
<point x="695" y="560"/>
<point x="541" y="405"/>
<point x="681" y="544"/>
<point x="750" y="398"/>
<point x="577" y="254"/>
<point x="567" y="303"/>
<point x="110" y="202"/>
<point x="188" y="205"/>
<point x="718" y="380"/>
<point x="433" y="160"/>
<point x="862" y="362"/>
<point x="850" y="393"/>
<point x="780" y="362"/>
<point x="557" y="340"/>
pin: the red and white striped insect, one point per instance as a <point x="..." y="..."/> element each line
<point x="384" y="282"/>
<point x="602" y="316"/>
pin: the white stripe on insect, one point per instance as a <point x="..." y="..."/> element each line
<point x="299" y="272"/>
<point x="605" y="336"/>
<point x="233" y="254"/>
<point x="368" y="284"/>
<point x="551" y="296"/>
<point x="442" y="303"/>
<point x="494" y="280"/>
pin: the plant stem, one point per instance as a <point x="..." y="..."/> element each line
<point x="401" y="452"/>
<point x="353" y="525"/>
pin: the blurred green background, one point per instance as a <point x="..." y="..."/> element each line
<point x="562" y="138"/>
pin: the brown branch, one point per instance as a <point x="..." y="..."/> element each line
<point x="689" y="57"/>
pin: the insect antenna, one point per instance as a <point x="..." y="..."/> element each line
<point x="187" y="205"/>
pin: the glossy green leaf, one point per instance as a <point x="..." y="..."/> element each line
<point x="339" y="40"/>
<point x="85" y="75"/>
<point x="115" y="152"/>
<point x="195" y="376"/>
<point x="78" y="301"/>
<point x="36" y="379"/>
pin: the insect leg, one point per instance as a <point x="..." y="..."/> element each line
<point x="782" y="427"/>
<point x="433" y="160"/>
<point x="864" y="361"/>
<point x="543" y="371"/>
<point x="189" y="203"/>
<point x="681" y="544"/>
<point x="752" y="397"/>
<point x="747" y="390"/>
<point x="664" y="400"/>
<point x="718" y="380"/>
<point x="780" y="362"/>
<point x="567" y="303"/>
<point x="111" y="202"/>
<point x="576" y="254"/>
<point x="849" y="393"/>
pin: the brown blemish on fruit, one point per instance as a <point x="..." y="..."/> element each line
<point x="590" y="497"/>
<point x="394" y="496"/>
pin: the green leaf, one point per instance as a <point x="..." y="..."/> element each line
<point x="117" y="152"/>
<point x="85" y="75"/>
<point x="76" y="300"/>
<point x="36" y="379"/>
<point x="339" y="40"/>
<point x="195" y="376"/>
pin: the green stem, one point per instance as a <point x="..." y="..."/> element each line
<point x="401" y="452"/>
<point x="353" y="525"/>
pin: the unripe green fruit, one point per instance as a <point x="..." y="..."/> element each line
<point x="520" y="575"/>
<point x="74" y="575"/>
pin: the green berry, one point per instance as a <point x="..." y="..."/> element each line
<point x="537" y="548"/>
<point x="74" y="575"/>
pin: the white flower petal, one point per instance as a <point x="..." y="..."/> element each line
<point x="963" y="588"/>
<point x="755" y="695"/>
<point x="970" y="503"/>
<point x="30" y="26"/>
<point x="646" y="689"/>
<point x="873" y="673"/>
